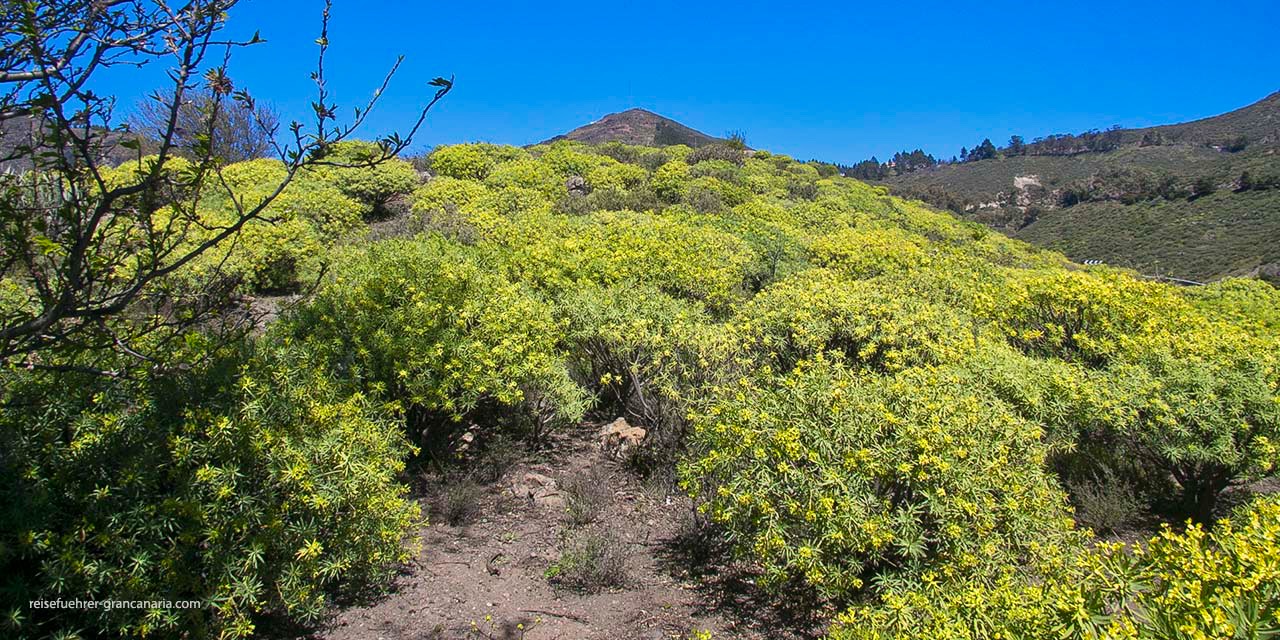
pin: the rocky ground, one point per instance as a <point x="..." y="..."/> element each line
<point x="568" y="543"/>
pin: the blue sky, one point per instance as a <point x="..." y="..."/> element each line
<point x="834" y="81"/>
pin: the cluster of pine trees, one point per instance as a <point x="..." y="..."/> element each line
<point x="902" y="162"/>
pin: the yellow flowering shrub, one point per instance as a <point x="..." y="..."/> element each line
<point x="691" y="262"/>
<point x="285" y="248"/>
<point x="373" y="185"/>
<point x="1244" y="302"/>
<point x="269" y="258"/>
<point x="859" y="323"/>
<point x="441" y="192"/>
<point x="1078" y="315"/>
<point x="616" y="176"/>
<point x="854" y="481"/>
<point x="527" y="173"/>
<point x="677" y="151"/>
<point x="869" y="250"/>
<point x="644" y="355"/>
<point x="670" y="181"/>
<point x="725" y="194"/>
<point x="255" y="487"/>
<point x="866" y="395"/>
<point x="1207" y="423"/>
<point x="570" y="158"/>
<point x="471" y="161"/>
<point x="1197" y="584"/>
<point x="309" y="197"/>
<point x="425" y="326"/>
<point x="131" y="172"/>
<point x="777" y="249"/>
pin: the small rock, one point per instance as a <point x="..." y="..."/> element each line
<point x="539" y="480"/>
<point x="576" y="184"/>
<point x="619" y="438"/>
<point x="553" y="502"/>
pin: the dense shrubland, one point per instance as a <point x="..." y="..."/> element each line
<point x="865" y="396"/>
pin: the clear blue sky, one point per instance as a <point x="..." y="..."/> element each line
<point x="836" y="81"/>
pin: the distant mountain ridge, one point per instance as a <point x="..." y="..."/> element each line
<point x="19" y="133"/>
<point x="1197" y="200"/>
<point x="1259" y="122"/>
<point x="638" y="127"/>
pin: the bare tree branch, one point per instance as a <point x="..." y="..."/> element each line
<point x="83" y="252"/>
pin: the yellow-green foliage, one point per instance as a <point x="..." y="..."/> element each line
<point x="1178" y="392"/>
<point x="670" y="181"/>
<point x="426" y="326"/>
<point x="529" y="174"/>
<point x="866" y="395"/>
<point x="692" y="262"/>
<point x="254" y="488"/>
<point x="616" y="176"/>
<point x="1253" y="304"/>
<point x="472" y="161"/>
<point x="309" y="197"/>
<point x="442" y="192"/>
<point x="286" y="246"/>
<point x="570" y="158"/>
<point x="642" y="353"/>
<point x="777" y="248"/>
<point x="851" y="480"/>
<point x="1077" y="315"/>
<point x="868" y="250"/>
<point x="1195" y="584"/>
<point x="859" y="323"/>
<point x="372" y="185"/>
<point x="711" y="193"/>
<point x="133" y="171"/>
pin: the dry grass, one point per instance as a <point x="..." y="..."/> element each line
<point x="590" y="563"/>
<point x="586" y="492"/>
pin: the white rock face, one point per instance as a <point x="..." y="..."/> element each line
<point x="1022" y="183"/>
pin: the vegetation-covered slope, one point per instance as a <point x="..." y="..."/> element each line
<point x="1202" y="239"/>
<point x="1258" y="122"/>
<point x="1138" y="202"/>
<point x="908" y="414"/>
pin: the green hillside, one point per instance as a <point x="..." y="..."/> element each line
<point x="1143" y="209"/>
<point x="633" y="382"/>
<point x="1258" y="122"/>
<point x="914" y="419"/>
<point x="1220" y="234"/>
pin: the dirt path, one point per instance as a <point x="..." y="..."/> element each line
<point x="489" y="578"/>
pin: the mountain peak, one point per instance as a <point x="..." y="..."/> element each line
<point x="637" y="126"/>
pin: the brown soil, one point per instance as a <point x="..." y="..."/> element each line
<point x="637" y="127"/>
<point x="486" y="578"/>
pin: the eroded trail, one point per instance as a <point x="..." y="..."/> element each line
<point x="567" y="543"/>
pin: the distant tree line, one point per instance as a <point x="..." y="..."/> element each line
<point x="902" y="162"/>
<point x="1058" y="144"/>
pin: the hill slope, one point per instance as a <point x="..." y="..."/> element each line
<point x="1259" y="122"/>
<point x="20" y="132"/>
<point x="1140" y="205"/>
<point x="637" y="127"/>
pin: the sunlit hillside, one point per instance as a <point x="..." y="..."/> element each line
<point x="1198" y="200"/>
<point x="922" y="423"/>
